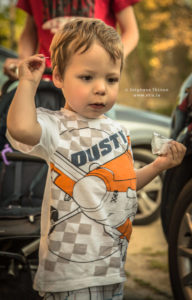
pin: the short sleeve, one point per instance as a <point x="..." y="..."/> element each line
<point x="119" y="5"/>
<point x="49" y="138"/>
<point x="127" y="134"/>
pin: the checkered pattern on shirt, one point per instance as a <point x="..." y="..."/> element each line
<point x="79" y="246"/>
<point x="72" y="242"/>
<point x="82" y="135"/>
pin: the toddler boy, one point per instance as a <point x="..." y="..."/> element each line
<point x="90" y="195"/>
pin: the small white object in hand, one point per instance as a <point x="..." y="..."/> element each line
<point x="159" y="144"/>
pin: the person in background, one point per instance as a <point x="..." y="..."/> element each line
<point x="90" y="196"/>
<point x="45" y="17"/>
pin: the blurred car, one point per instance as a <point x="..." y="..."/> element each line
<point x="141" y="124"/>
<point x="176" y="210"/>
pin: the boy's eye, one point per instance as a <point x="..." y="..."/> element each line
<point x="85" y="77"/>
<point x="113" y="79"/>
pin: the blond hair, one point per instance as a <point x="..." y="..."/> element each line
<point x="81" y="33"/>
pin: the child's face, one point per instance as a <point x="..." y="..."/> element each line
<point x="91" y="82"/>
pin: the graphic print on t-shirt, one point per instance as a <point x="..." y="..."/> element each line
<point x="57" y="12"/>
<point x="96" y="188"/>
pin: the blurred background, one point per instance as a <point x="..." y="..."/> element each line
<point x="151" y="79"/>
<point x="155" y="70"/>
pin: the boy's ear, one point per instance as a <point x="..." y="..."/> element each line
<point x="56" y="77"/>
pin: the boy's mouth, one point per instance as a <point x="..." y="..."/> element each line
<point x="97" y="105"/>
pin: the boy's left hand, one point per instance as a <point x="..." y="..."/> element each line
<point x="173" y="157"/>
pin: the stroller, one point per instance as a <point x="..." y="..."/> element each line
<point x="176" y="205"/>
<point x="22" y="182"/>
<point x="176" y="178"/>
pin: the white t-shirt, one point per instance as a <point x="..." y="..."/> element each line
<point x="89" y="200"/>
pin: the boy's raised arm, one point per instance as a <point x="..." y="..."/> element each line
<point x="174" y="157"/>
<point x="22" y="119"/>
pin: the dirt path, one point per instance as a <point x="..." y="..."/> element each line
<point x="146" y="265"/>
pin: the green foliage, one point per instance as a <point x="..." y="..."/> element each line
<point x="6" y="38"/>
<point x="163" y="57"/>
<point x="4" y="27"/>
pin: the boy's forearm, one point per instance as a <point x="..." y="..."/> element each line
<point x="22" y="119"/>
<point x="145" y="175"/>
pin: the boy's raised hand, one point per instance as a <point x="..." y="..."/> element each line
<point x="173" y="157"/>
<point x="32" y="68"/>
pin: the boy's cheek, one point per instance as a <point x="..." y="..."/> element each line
<point x="81" y="93"/>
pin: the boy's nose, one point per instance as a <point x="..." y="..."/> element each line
<point x="100" y="88"/>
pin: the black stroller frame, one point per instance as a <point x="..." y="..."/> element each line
<point x="22" y="182"/>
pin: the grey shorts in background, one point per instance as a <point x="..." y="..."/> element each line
<point x="106" y="292"/>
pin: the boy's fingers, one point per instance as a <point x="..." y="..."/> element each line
<point x="36" y="61"/>
<point x="177" y="149"/>
<point x="35" y="65"/>
<point x="37" y="56"/>
<point x="173" y="149"/>
<point x="180" y="147"/>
